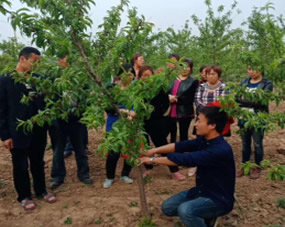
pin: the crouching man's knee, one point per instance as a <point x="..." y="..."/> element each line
<point x="168" y="209"/>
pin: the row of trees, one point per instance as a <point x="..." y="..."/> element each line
<point x="61" y="27"/>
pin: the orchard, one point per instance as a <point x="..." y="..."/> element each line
<point x="62" y="28"/>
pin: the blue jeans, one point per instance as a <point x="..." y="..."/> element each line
<point x="73" y="130"/>
<point x="257" y="136"/>
<point x="192" y="212"/>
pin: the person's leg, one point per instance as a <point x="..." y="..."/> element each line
<point x="85" y="138"/>
<point x="126" y="169"/>
<point x="36" y="156"/>
<point x="257" y="136"/>
<point x="194" y="212"/>
<point x="246" y="145"/>
<point x="20" y="173"/>
<point x="52" y="134"/>
<point x="184" y="124"/>
<point x="158" y="134"/>
<point x="170" y="206"/>
<point x="76" y="133"/>
<point x="58" y="171"/>
<point x="172" y="123"/>
<point x="68" y="148"/>
<point x="111" y="164"/>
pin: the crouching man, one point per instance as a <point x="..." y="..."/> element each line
<point x="213" y="195"/>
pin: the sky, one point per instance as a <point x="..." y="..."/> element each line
<point x="163" y="13"/>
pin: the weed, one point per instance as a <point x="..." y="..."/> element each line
<point x="146" y="222"/>
<point x="76" y="203"/>
<point x="133" y="204"/>
<point x="68" y="221"/>
<point x="265" y="163"/>
<point x="277" y="173"/>
<point x="248" y="166"/>
<point x="163" y="192"/>
<point x="98" y="221"/>
<point x="112" y="219"/>
<point x="3" y="183"/>
<point x="281" y="202"/>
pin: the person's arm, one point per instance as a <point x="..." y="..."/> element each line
<point x="180" y="147"/>
<point x="157" y="160"/>
<point x="166" y="149"/>
<point x="244" y="103"/>
<point x="198" y="98"/>
<point x="207" y="157"/>
<point x="4" y="126"/>
<point x="189" y="95"/>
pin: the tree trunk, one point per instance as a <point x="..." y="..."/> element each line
<point x="144" y="207"/>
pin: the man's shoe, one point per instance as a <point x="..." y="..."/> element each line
<point x="87" y="181"/>
<point x="67" y="154"/>
<point x="55" y="185"/>
<point x="255" y="173"/>
<point x="108" y="183"/>
<point x="240" y="173"/>
<point x="178" y="176"/>
<point x="127" y="179"/>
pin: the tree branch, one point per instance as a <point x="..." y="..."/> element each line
<point x="93" y="74"/>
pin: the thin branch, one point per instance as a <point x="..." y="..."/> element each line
<point x="93" y="74"/>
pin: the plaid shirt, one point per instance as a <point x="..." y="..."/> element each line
<point x="206" y="94"/>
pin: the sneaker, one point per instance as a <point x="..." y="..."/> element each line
<point x="254" y="173"/>
<point x="127" y="179"/>
<point x="192" y="171"/>
<point x="55" y="185"/>
<point x="108" y="183"/>
<point x="178" y="176"/>
<point x="87" y="181"/>
<point x="240" y="173"/>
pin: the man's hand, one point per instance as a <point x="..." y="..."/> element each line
<point x="150" y="153"/>
<point x="145" y="160"/>
<point x="8" y="144"/>
<point x="172" y="98"/>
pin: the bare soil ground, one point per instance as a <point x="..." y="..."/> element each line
<point x="81" y="205"/>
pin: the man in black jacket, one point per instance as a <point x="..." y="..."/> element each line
<point x="23" y="145"/>
<point x="252" y="83"/>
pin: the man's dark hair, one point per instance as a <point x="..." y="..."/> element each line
<point x="28" y="51"/>
<point x="189" y="62"/>
<point x="202" y="68"/>
<point x="215" y="116"/>
<point x="176" y="56"/>
<point x="145" y="68"/>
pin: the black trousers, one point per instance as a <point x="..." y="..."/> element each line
<point x="157" y="129"/>
<point x="75" y="130"/>
<point x="184" y="124"/>
<point x="111" y="165"/>
<point x="34" y="154"/>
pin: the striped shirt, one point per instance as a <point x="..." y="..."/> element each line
<point x="207" y="94"/>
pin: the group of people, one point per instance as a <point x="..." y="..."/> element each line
<point x="209" y="156"/>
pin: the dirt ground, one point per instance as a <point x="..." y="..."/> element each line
<point x="81" y="205"/>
